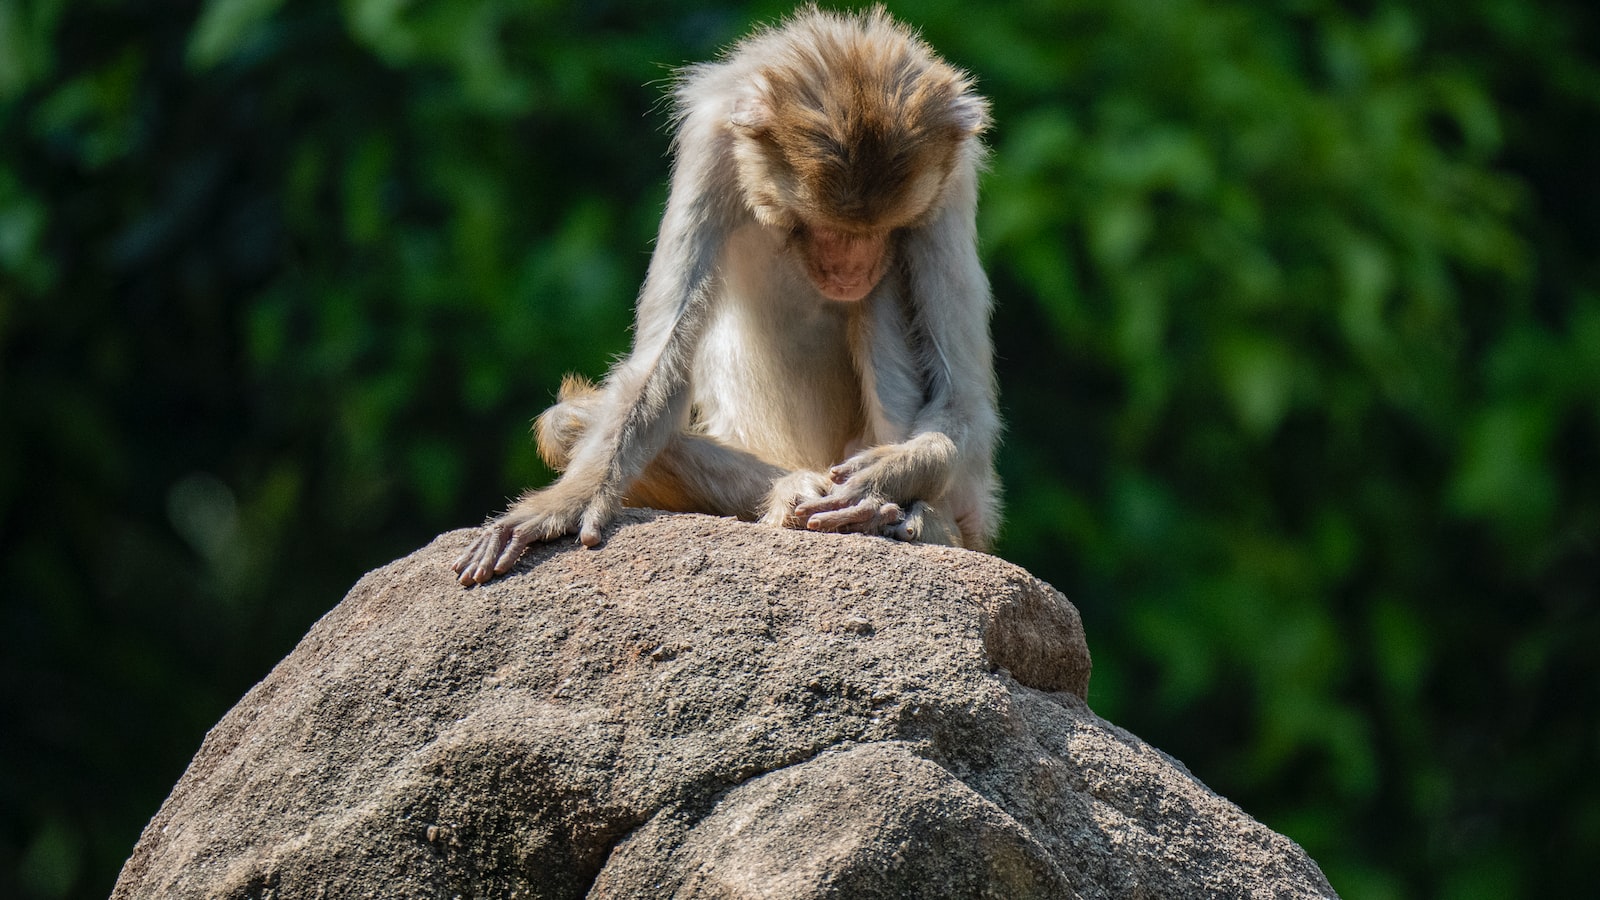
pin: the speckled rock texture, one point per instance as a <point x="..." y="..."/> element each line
<point x="700" y="708"/>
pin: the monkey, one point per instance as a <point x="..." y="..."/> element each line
<point x="811" y="341"/>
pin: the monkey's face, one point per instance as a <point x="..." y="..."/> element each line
<point x="846" y="138"/>
<point x="841" y="201"/>
<point x="844" y="266"/>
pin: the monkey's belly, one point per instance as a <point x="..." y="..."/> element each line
<point x="790" y="395"/>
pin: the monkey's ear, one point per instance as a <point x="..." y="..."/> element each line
<point x="970" y="113"/>
<point x="751" y="113"/>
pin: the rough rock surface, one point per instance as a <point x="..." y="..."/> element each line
<point x="701" y="708"/>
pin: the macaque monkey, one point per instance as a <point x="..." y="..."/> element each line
<point x="811" y="344"/>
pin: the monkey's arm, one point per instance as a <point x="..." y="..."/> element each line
<point x="946" y="458"/>
<point x="646" y="395"/>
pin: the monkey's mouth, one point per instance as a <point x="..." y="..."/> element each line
<point x="846" y="290"/>
<point x="846" y="267"/>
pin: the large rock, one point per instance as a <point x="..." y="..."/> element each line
<point x="701" y="708"/>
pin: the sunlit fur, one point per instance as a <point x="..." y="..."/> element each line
<point x="846" y="123"/>
<point x="751" y="391"/>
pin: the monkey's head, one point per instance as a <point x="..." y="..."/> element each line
<point x="846" y="136"/>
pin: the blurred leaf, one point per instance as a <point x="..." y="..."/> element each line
<point x="1505" y="472"/>
<point x="53" y="861"/>
<point x="225" y="26"/>
<point x="1259" y="375"/>
<point x="95" y="115"/>
<point x="364" y="183"/>
<point x="1402" y="643"/>
<point x="379" y="25"/>
<point x="27" y="43"/>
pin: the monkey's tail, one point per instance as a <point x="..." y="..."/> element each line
<point x="559" y="428"/>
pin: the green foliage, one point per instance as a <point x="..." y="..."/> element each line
<point x="1299" y="320"/>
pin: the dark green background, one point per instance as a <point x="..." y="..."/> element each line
<point x="1298" y="327"/>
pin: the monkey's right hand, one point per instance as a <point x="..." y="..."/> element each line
<point x="849" y="513"/>
<point x="539" y="516"/>
<point x="812" y="501"/>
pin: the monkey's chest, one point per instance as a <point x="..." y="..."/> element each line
<point x="781" y="384"/>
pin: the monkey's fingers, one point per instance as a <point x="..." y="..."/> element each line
<point x="873" y="457"/>
<point x="475" y="566"/>
<point x="830" y="503"/>
<point x="519" y="541"/>
<point x="865" y="515"/>
<point x="591" y="535"/>
<point x="884" y="521"/>
<point x="596" y="516"/>
<point x="464" y="562"/>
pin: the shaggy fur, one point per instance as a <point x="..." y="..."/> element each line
<point x="812" y="339"/>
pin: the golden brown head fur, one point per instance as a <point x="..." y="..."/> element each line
<point x="850" y="122"/>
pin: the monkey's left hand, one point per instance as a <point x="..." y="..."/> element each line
<point x="563" y="508"/>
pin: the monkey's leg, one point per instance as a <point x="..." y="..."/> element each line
<point x="695" y="473"/>
<point x="691" y="473"/>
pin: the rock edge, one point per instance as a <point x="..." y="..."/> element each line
<point x="701" y="708"/>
